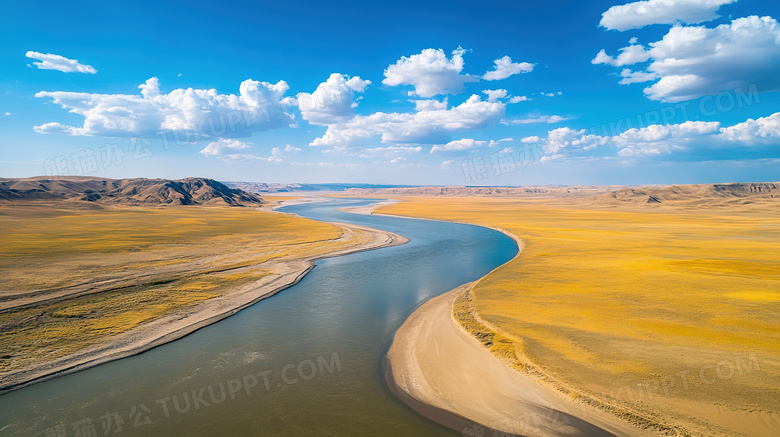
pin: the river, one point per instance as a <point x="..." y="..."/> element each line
<point x="304" y="362"/>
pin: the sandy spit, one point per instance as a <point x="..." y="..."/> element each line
<point x="441" y="371"/>
<point x="178" y="324"/>
<point x="444" y="373"/>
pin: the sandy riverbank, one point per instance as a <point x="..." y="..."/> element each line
<point x="444" y="373"/>
<point x="180" y="323"/>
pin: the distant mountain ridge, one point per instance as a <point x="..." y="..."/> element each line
<point x="263" y="187"/>
<point x="692" y="194"/>
<point x="696" y="195"/>
<point x="188" y="191"/>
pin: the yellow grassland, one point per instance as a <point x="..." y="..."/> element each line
<point x="131" y="265"/>
<point x="615" y="303"/>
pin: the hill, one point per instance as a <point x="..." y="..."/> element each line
<point x="695" y="195"/>
<point x="687" y="196"/>
<point x="189" y="191"/>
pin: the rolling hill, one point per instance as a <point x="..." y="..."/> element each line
<point x="188" y="191"/>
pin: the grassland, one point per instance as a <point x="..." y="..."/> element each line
<point x="73" y="275"/>
<point x="670" y="315"/>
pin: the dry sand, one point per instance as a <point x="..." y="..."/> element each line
<point x="444" y="373"/>
<point x="181" y="323"/>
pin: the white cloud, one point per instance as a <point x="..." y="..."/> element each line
<point x="630" y="77"/>
<point x="448" y="163"/>
<point x="429" y="105"/>
<point x="632" y="54"/>
<point x="518" y="99"/>
<point x="219" y="147"/>
<point x="567" y="138"/>
<point x="225" y="149"/>
<point x="538" y="119"/>
<point x="424" y="127"/>
<point x="530" y="140"/>
<point x="552" y="94"/>
<point x="49" y="61"/>
<point x="494" y="95"/>
<point x="765" y="130"/>
<point x="7" y="113"/>
<point x="694" y="61"/>
<point x="462" y="145"/>
<point x="288" y="149"/>
<point x="430" y="72"/>
<point x="642" y="13"/>
<point x="504" y="67"/>
<point x="193" y="113"/>
<point x="687" y="137"/>
<point x="662" y="139"/>
<point x="332" y="101"/>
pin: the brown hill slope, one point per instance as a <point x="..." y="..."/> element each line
<point x="189" y="191"/>
<point x="695" y="195"/>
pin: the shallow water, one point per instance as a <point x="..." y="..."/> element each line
<point x="304" y="362"/>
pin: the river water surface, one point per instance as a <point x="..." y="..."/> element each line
<point x="304" y="362"/>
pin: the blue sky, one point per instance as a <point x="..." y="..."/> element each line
<point x="477" y="93"/>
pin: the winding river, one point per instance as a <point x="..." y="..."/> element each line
<point x="304" y="362"/>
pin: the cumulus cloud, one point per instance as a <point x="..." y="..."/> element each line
<point x="504" y="67"/>
<point x="642" y="13"/>
<point x="195" y="113"/>
<point x="462" y="145"/>
<point x="693" y="61"/>
<point x="696" y="61"/>
<point x="663" y="139"/>
<point x="430" y="73"/>
<point x="629" y="55"/>
<point x="287" y="149"/>
<point x="494" y="95"/>
<point x="332" y="101"/>
<point x="221" y="146"/>
<point x="425" y="127"/>
<point x="765" y="130"/>
<point x="49" y="61"/>
<point x="429" y="105"/>
<point x="687" y="137"/>
<point x="226" y="149"/>
<point x="530" y="140"/>
<point x="502" y="94"/>
<point x="629" y="77"/>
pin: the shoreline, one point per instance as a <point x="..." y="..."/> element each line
<point x="435" y="403"/>
<point x="441" y="371"/>
<point x="186" y="321"/>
